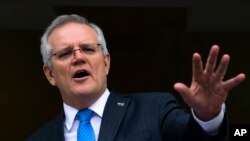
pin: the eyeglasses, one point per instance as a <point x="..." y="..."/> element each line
<point x="68" y="53"/>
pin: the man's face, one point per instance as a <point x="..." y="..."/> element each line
<point x="83" y="75"/>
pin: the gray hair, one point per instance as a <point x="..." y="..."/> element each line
<point x="45" y="47"/>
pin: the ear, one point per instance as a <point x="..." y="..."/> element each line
<point x="49" y="74"/>
<point x="107" y="63"/>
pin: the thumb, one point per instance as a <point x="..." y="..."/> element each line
<point x="183" y="90"/>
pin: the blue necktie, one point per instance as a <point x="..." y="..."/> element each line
<point x="85" y="131"/>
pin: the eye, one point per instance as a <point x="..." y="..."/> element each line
<point x="89" y="49"/>
<point x="64" y="54"/>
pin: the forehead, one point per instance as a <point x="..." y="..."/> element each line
<point x="72" y="33"/>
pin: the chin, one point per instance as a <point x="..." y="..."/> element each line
<point x="84" y="91"/>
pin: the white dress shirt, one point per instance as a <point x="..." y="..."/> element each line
<point x="211" y="127"/>
<point x="71" y="123"/>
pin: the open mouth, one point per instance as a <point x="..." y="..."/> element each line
<point x="81" y="74"/>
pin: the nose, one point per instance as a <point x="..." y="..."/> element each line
<point x="79" y="57"/>
<point x="77" y="53"/>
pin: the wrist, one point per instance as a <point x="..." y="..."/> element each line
<point x="207" y="115"/>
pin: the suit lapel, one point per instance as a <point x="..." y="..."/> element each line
<point x="114" y="111"/>
<point x="56" y="133"/>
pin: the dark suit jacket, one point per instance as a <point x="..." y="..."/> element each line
<point x="138" y="117"/>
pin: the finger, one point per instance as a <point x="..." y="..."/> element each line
<point x="211" y="60"/>
<point x="222" y="68"/>
<point x="197" y="67"/>
<point x="231" y="83"/>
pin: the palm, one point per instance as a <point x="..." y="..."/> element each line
<point x="207" y="94"/>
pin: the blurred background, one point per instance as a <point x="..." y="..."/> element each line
<point x="151" y="43"/>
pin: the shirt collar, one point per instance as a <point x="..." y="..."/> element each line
<point x="97" y="107"/>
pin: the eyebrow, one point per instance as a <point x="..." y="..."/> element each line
<point x="64" y="49"/>
<point x="68" y="46"/>
<point x="84" y="45"/>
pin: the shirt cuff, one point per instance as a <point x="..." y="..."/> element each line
<point x="211" y="127"/>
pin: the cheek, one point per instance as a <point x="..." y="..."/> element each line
<point x="100" y="70"/>
<point x="60" y="73"/>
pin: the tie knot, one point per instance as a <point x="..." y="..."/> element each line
<point x="84" y="115"/>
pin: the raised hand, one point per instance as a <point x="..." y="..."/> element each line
<point x="208" y="90"/>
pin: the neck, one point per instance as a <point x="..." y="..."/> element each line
<point x="83" y="101"/>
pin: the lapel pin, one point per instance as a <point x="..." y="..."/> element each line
<point x="121" y="104"/>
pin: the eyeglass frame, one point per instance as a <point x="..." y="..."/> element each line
<point x="72" y="51"/>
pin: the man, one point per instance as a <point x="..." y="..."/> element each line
<point x="77" y="61"/>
